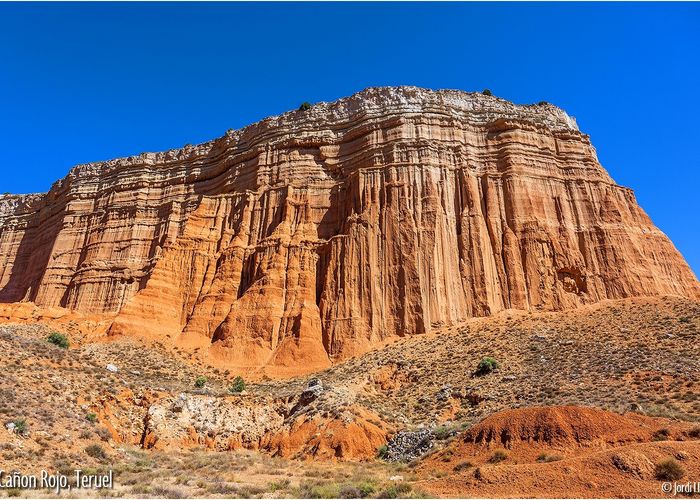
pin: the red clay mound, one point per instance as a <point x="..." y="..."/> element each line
<point x="559" y="451"/>
<point x="329" y="439"/>
<point x="560" y="426"/>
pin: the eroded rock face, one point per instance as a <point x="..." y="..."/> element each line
<point x="314" y="235"/>
<point x="219" y="422"/>
<point x="331" y="428"/>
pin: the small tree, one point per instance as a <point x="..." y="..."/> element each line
<point x="201" y="381"/>
<point x="59" y="339"/>
<point x="237" y="386"/>
<point x="92" y="417"/>
<point x="486" y="92"/>
<point x="305" y="106"/>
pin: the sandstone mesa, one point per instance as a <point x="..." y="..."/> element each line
<point x="316" y="235"/>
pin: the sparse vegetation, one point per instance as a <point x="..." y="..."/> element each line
<point x="201" y="381"/>
<point x="444" y="432"/>
<point x="349" y="491"/>
<point x="413" y="385"/>
<point x="91" y="417"/>
<point x="486" y="365"/>
<point x="59" y="340"/>
<point x="486" y="92"/>
<point x="669" y="470"/>
<point x="399" y="490"/>
<point x="462" y="466"/>
<point x="547" y="457"/>
<point x="21" y="426"/>
<point x="166" y="492"/>
<point x="103" y="433"/>
<point x="96" y="451"/>
<point x="305" y="106"/>
<point x="365" y="488"/>
<point x="237" y="386"/>
<point x="282" y="484"/>
<point x="498" y="456"/>
<point x="382" y="451"/>
<point x="318" y="490"/>
<point x="662" y="435"/>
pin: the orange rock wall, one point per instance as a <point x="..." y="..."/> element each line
<point x="315" y="235"/>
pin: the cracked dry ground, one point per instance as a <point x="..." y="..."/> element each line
<point x="639" y="355"/>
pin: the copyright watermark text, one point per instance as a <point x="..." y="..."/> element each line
<point x="676" y="488"/>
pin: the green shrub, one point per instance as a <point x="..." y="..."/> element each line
<point x="92" y="417"/>
<point x="366" y="489"/>
<point x="443" y="432"/>
<point x="201" y="381"/>
<point x="498" y="456"/>
<point x="59" y="339"/>
<point x="486" y="365"/>
<point x="382" y="451"/>
<point x="96" y="451"/>
<point x="21" y="426"/>
<point x="305" y="106"/>
<point x="237" y="386"/>
<point x="669" y="470"/>
<point x="282" y="484"/>
<point x="400" y="490"/>
<point x="331" y="490"/>
<point x="486" y="92"/>
<point x="361" y="489"/>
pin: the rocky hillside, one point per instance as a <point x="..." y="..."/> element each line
<point x="584" y="403"/>
<point x="318" y="234"/>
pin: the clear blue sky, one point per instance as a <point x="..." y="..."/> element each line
<point x="86" y="82"/>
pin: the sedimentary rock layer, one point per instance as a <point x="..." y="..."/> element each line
<point x="317" y="234"/>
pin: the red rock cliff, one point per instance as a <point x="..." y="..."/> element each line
<point x="316" y="234"/>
